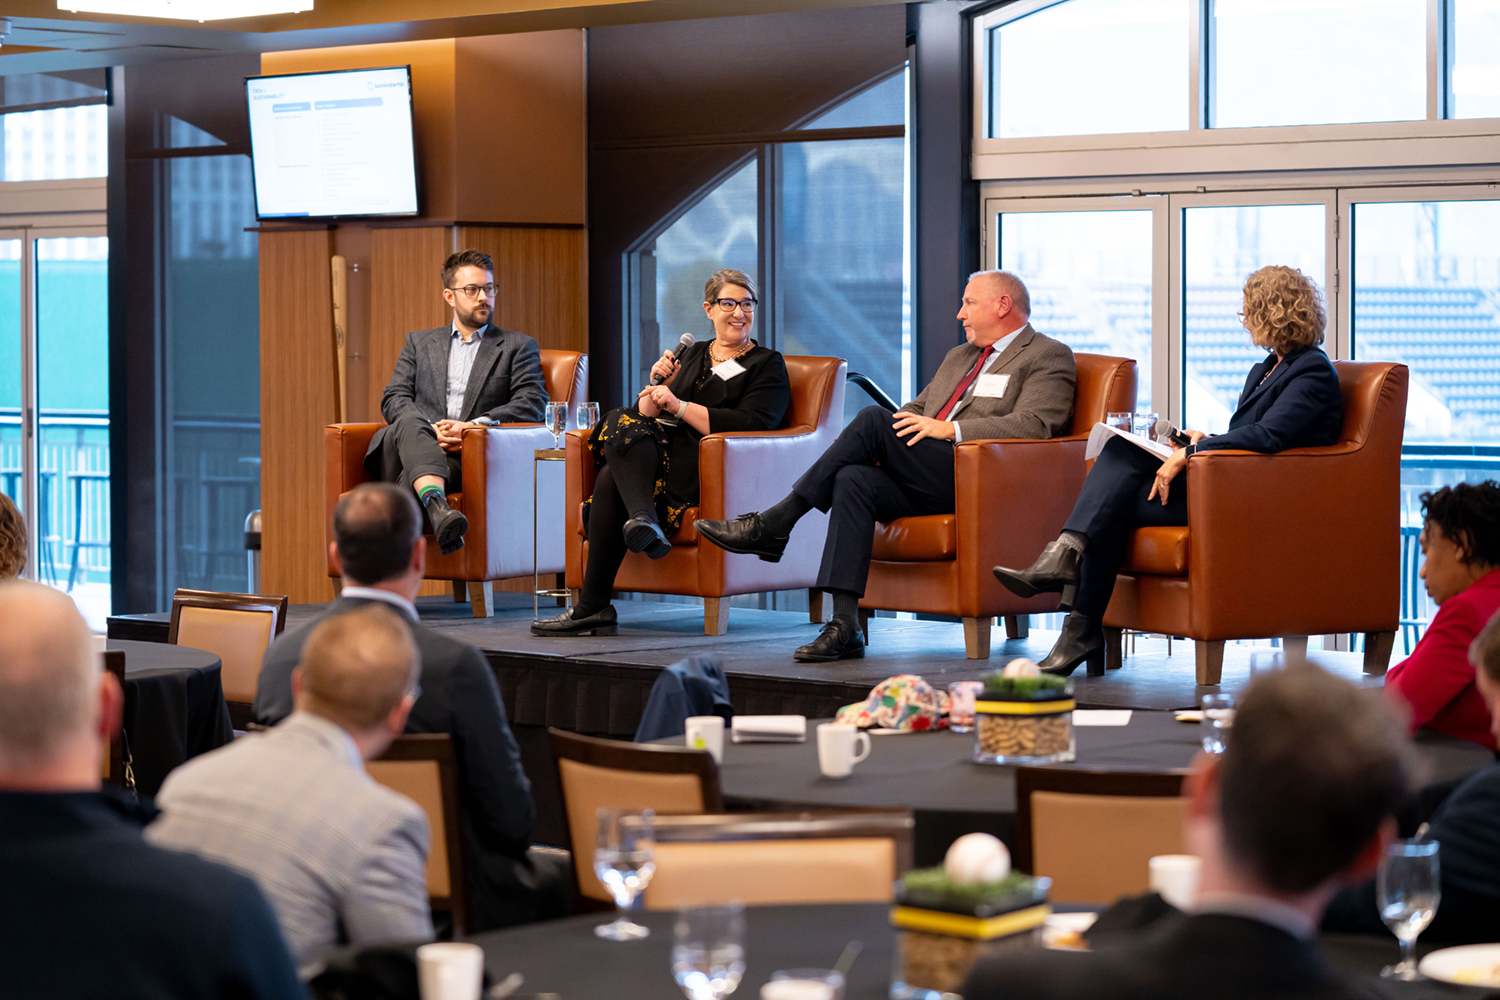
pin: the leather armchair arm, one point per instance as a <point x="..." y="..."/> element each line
<point x="497" y="489"/>
<point x="744" y="471"/>
<point x="580" y="485"/>
<point x="344" y="447"/>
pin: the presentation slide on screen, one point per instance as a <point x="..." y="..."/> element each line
<point x="333" y="144"/>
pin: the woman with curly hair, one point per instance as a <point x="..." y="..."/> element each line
<point x="1290" y="400"/>
<point x="12" y="540"/>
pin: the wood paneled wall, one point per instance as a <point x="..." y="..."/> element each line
<point x="406" y="294"/>
<point x="543" y="278"/>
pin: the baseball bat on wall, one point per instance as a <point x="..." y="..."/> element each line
<point x="340" y="324"/>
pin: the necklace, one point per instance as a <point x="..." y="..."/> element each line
<point x="715" y="354"/>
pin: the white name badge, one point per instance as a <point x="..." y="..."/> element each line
<point x="991" y="385"/>
<point x="727" y="370"/>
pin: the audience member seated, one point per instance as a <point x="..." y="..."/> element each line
<point x="88" y="908"/>
<point x="1299" y="805"/>
<point x="1467" y="829"/>
<point x="1461" y="570"/>
<point x="342" y="859"/>
<point x="12" y="540"/>
<point x="379" y="548"/>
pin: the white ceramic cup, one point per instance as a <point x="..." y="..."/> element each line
<point x="836" y="742"/>
<point x="706" y="732"/>
<point x="449" y="970"/>
<point x="1175" y="877"/>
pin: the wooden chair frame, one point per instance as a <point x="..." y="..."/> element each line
<point x="1072" y="781"/>
<point x="896" y="824"/>
<point x="438" y="747"/>
<point x="275" y="604"/>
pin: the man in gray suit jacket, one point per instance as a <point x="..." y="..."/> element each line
<point x="469" y="374"/>
<point x="341" y="858"/>
<point x="1006" y="381"/>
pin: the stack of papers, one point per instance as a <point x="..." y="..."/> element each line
<point x="769" y="729"/>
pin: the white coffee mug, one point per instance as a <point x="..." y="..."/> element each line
<point x="836" y="742"/>
<point x="449" y="970"/>
<point x="706" y="732"/>
<point x="1175" y="878"/>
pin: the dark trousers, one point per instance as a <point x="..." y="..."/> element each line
<point x="867" y="475"/>
<point x="1110" y="506"/>
<point x="410" y="450"/>
<point x="625" y="488"/>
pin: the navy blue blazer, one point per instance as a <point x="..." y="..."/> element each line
<point x="1297" y="406"/>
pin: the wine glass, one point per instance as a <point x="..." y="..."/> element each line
<point x="1407" y="892"/>
<point x="622" y="861"/>
<point x="708" y="953"/>
<point x="555" y="416"/>
<point x="588" y="416"/>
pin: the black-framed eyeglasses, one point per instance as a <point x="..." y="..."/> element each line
<point x="729" y="305"/>
<point x="473" y="291"/>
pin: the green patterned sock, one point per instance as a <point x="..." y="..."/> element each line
<point x="427" y="493"/>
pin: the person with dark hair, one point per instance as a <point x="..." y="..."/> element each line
<point x="1466" y="826"/>
<point x="12" y="539"/>
<point x="470" y="373"/>
<point x="1461" y="555"/>
<point x="379" y="547"/>
<point x="648" y="454"/>
<point x="1300" y="804"/>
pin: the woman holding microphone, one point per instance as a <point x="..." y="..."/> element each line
<point x="647" y="455"/>
<point x="1290" y="400"/>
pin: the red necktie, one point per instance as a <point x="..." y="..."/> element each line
<point x="963" y="386"/>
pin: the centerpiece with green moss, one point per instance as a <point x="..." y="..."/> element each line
<point x="1024" y="716"/>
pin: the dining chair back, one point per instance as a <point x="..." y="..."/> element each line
<point x="424" y="769"/>
<point x="1093" y="832"/>
<point x="768" y="859"/>
<point x="236" y="628"/>
<point x="613" y="774"/>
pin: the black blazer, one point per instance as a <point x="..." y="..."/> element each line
<point x="459" y="697"/>
<point x="92" y="910"/>
<point x="1298" y="406"/>
<point x="1192" y="958"/>
<point x="754" y="400"/>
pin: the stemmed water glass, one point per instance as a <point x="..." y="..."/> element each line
<point x="708" y="952"/>
<point x="1407" y="892"/>
<point x="623" y="862"/>
<point x="555" y="417"/>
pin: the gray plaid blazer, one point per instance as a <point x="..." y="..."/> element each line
<point x="1038" y="400"/>
<point x="341" y="858"/>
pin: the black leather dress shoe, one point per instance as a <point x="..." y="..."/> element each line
<point x="1082" y="640"/>
<point x="839" y="640"/>
<point x="642" y="535"/>
<point x="448" y="525"/>
<point x="746" y="534"/>
<point x="1056" y="569"/>
<point x="599" y="623"/>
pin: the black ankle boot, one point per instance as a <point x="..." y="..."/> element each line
<point x="1082" y="640"/>
<point x="1055" y="570"/>
<point x="448" y="525"/>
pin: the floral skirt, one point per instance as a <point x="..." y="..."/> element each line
<point x="622" y="429"/>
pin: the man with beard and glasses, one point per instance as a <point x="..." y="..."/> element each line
<point x="468" y="374"/>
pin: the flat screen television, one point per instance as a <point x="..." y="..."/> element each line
<point x="333" y="145"/>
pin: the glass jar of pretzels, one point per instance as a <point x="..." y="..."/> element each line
<point x="1024" y="717"/>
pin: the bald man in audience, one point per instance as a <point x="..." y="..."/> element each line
<point x="87" y="907"/>
<point x="342" y="859"/>
<point x="1300" y="804"/>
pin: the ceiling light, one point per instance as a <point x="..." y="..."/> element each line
<point x="187" y="10"/>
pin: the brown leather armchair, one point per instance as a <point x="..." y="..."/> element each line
<point x="738" y="472"/>
<point x="1302" y="542"/>
<point x="1012" y="499"/>
<point x="497" y="500"/>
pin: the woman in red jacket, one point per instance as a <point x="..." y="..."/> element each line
<point x="1461" y="569"/>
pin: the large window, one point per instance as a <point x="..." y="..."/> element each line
<point x="1476" y="59"/>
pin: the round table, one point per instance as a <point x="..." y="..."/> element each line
<point x="932" y="773"/>
<point x="174" y="707"/>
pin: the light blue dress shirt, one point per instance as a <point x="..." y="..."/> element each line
<point x="461" y="357"/>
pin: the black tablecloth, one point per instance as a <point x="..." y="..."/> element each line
<point x="174" y="707"/>
<point x="933" y="773"/>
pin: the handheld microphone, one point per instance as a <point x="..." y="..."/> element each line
<point x="1166" y="432"/>
<point x="682" y="345"/>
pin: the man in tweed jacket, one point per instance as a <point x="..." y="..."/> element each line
<point x="1005" y="381"/>
<point x="341" y="858"/>
<point x="467" y="374"/>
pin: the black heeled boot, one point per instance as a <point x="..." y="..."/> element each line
<point x="1055" y="570"/>
<point x="1082" y="640"/>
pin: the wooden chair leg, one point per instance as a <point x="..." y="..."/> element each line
<point x="865" y="614"/>
<point x="715" y="615"/>
<point x="1210" y="657"/>
<point x="577" y="595"/>
<point x="482" y="598"/>
<point x="1114" y="648"/>
<point x="1378" y="646"/>
<point x="818" y="609"/>
<point x="1017" y="626"/>
<point x="460" y="591"/>
<point x="977" y="638"/>
<point x="1294" y="648"/>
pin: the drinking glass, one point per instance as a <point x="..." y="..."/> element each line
<point x="708" y="952"/>
<point x="1143" y="425"/>
<point x="588" y="416"/>
<point x="623" y="862"/>
<point x="961" y="698"/>
<point x="1406" y="890"/>
<point x="555" y="416"/>
<point x="1218" y="715"/>
<point x="1121" y="421"/>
